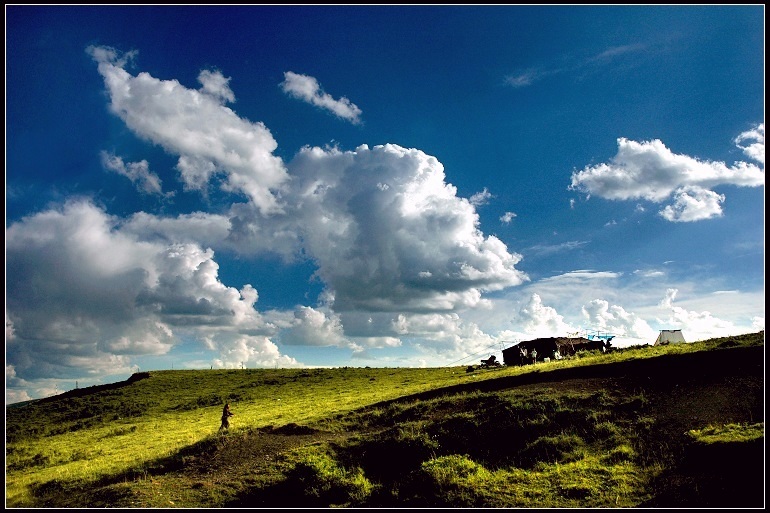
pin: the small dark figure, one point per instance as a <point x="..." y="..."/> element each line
<point x="226" y="414"/>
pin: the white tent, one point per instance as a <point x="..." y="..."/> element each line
<point x="669" y="337"/>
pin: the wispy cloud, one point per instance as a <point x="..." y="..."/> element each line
<point x="480" y="198"/>
<point x="507" y="217"/>
<point x="543" y="250"/>
<point x="529" y="76"/>
<point x="138" y="172"/>
<point x="649" y="273"/>
<point x="307" y="88"/>
<point x="613" y="52"/>
<point x="582" y="275"/>
<point x="755" y="150"/>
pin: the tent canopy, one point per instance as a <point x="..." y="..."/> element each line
<point x="669" y="337"/>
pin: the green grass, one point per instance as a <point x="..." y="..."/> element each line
<point x="119" y="446"/>
<point x="553" y="457"/>
<point x="728" y="433"/>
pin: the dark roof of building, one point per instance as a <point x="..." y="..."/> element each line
<point x="556" y="341"/>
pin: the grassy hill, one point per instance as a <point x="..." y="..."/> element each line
<point x="665" y="426"/>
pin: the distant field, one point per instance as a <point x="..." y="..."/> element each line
<point x="596" y="430"/>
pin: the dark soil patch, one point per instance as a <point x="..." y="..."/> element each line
<point x="248" y="451"/>
<point x="290" y="429"/>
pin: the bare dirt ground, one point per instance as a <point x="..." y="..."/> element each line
<point x="249" y="451"/>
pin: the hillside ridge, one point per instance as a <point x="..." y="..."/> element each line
<point x="661" y="368"/>
<point x="650" y="403"/>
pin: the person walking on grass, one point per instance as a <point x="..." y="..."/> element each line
<point x="226" y="414"/>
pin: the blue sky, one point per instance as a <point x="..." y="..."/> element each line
<point x="296" y="186"/>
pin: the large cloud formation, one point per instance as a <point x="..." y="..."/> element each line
<point x="648" y="170"/>
<point x="389" y="234"/>
<point x="84" y="294"/>
<point x="406" y="240"/>
<point x="398" y="252"/>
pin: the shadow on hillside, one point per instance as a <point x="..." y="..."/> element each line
<point x="659" y="372"/>
<point x="675" y="393"/>
<point x="719" y="475"/>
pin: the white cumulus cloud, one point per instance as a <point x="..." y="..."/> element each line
<point x="411" y="246"/>
<point x="694" y="325"/>
<point x="84" y="296"/>
<point x="648" y="170"/>
<point x="215" y="84"/>
<point x="602" y="316"/>
<point x="314" y="327"/>
<point x="538" y="320"/>
<point x="693" y="204"/>
<point x="208" y="137"/>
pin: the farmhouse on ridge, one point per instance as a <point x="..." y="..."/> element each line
<point x="552" y="348"/>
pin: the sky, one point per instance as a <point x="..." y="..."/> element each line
<point x="206" y="187"/>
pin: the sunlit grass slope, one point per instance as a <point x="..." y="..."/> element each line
<point x="77" y="440"/>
